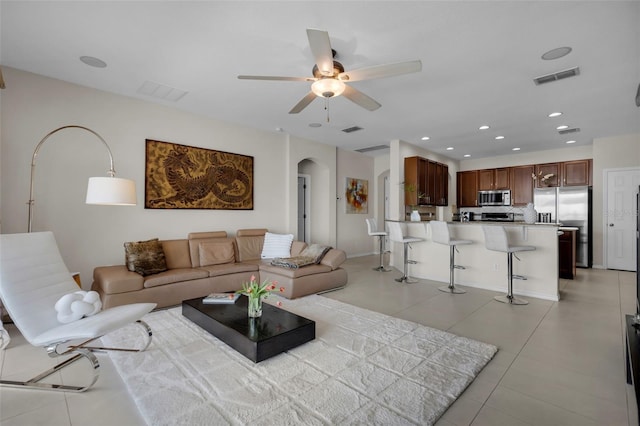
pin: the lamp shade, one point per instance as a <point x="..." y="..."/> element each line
<point x="327" y="87"/>
<point x="111" y="191"/>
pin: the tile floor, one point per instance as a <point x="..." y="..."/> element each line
<point x="559" y="363"/>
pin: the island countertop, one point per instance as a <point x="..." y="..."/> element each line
<point x="486" y="269"/>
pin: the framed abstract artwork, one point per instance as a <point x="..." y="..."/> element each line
<point x="186" y="177"/>
<point x="356" y="196"/>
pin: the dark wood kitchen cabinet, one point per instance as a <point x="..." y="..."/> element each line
<point x="467" y="188"/>
<point x="442" y="185"/>
<point x="567" y="254"/>
<point x="522" y="185"/>
<point x="430" y="180"/>
<point x="490" y="179"/>
<point x="577" y="173"/>
<point x="549" y="169"/>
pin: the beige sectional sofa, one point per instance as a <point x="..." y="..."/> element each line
<point x="211" y="262"/>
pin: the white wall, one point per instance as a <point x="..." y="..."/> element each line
<point x="540" y="157"/>
<point x="90" y="236"/>
<point x="352" y="228"/>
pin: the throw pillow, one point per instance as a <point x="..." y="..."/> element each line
<point x="145" y="257"/>
<point x="216" y="253"/>
<point x="316" y="251"/>
<point x="276" y="245"/>
<point x="74" y="306"/>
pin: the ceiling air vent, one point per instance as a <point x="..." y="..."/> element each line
<point x="566" y="131"/>
<point x="161" y="91"/>
<point x="557" y="76"/>
<point x="352" y="129"/>
<point x="372" y="148"/>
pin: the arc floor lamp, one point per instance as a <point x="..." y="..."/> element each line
<point x="108" y="190"/>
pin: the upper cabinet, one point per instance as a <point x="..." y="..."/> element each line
<point x="430" y="180"/>
<point x="547" y="175"/>
<point x="489" y="179"/>
<point x="577" y="173"/>
<point x="467" y="185"/>
<point x="522" y="185"/>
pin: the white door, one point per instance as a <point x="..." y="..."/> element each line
<point x="620" y="218"/>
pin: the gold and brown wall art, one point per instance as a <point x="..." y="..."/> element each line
<point x="186" y="177"/>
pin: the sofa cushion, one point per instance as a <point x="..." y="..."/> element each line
<point x="216" y="253"/>
<point x="276" y="245"/>
<point x="145" y="257"/>
<point x="230" y="268"/>
<point x="174" y="275"/>
<point x="176" y="254"/>
<point x="194" y="245"/>
<point x="295" y="273"/>
<point x="315" y="251"/>
<point x="249" y="247"/>
<point x="334" y="258"/>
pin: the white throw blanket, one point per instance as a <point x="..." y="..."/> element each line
<point x="363" y="368"/>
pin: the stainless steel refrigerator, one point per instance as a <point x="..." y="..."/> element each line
<point x="570" y="206"/>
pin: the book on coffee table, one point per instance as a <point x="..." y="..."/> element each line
<point x="215" y="298"/>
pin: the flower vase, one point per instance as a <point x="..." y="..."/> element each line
<point x="415" y="216"/>
<point x="529" y="214"/>
<point x="255" y="307"/>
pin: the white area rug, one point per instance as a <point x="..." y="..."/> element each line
<point x="363" y="368"/>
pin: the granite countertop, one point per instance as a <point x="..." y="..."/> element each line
<point x="514" y="223"/>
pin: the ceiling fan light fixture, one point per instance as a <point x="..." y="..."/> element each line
<point x="327" y="87"/>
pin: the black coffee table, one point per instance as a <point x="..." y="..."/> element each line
<point x="256" y="338"/>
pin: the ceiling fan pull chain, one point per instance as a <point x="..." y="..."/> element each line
<point x="326" y="107"/>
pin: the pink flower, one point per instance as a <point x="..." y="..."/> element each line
<point x="279" y="303"/>
<point x="253" y="277"/>
<point x="281" y="289"/>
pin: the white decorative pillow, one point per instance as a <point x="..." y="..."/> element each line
<point x="276" y="245"/>
<point x="74" y="306"/>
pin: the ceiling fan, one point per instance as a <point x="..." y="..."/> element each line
<point x="329" y="76"/>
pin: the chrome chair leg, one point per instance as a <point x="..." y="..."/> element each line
<point x="451" y="288"/>
<point x="509" y="297"/>
<point x="381" y="268"/>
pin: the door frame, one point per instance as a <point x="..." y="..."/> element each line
<point x="307" y="207"/>
<point x="605" y="208"/>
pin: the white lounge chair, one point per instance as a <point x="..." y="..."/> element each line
<point x="33" y="277"/>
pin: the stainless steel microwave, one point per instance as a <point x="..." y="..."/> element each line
<point x="494" y="198"/>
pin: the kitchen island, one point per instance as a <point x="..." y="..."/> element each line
<point x="484" y="268"/>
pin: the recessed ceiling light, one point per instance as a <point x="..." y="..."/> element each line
<point x="499" y="137"/>
<point x="556" y="53"/>
<point x="571" y="141"/>
<point x="564" y="126"/>
<point x="467" y="155"/>
<point x="450" y="148"/>
<point x="425" y="138"/>
<point x="93" y="62"/>
<point x="484" y="127"/>
<point x="315" y="125"/>
<point x="555" y="114"/>
<point x="515" y="149"/>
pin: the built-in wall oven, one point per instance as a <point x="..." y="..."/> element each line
<point x="494" y="198"/>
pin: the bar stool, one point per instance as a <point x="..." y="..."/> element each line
<point x="440" y="234"/>
<point x="373" y="231"/>
<point x="495" y="238"/>
<point x="395" y="234"/>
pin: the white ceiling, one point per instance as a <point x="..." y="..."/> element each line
<point x="479" y="59"/>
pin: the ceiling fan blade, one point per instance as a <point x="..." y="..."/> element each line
<point x="381" y="71"/>
<point x="276" y="78"/>
<point x="303" y="103"/>
<point x="321" y="50"/>
<point x="356" y="96"/>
